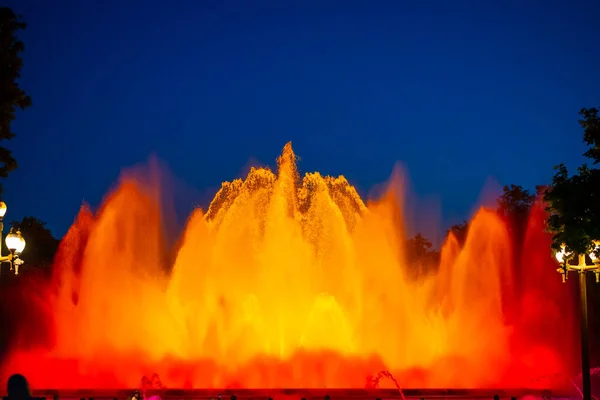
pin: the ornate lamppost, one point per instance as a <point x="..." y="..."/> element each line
<point x="582" y="267"/>
<point x="15" y="243"/>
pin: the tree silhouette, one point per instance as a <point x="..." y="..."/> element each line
<point x="514" y="206"/>
<point x="573" y="202"/>
<point x="460" y="232"/>
<point x="41" y="245"/>
<point x="591" y="132"/>
<point x="515" y="203"/>
<point x="11" y="95"/>
<point x="420" y="255"/>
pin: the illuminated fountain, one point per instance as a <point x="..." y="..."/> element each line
<point x="294" y="282"/>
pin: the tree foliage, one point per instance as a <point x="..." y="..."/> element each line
<point x="591" y="132"/>
<point x="418" y="247"/>
<point x="460" y="232"/>
<point x="11" y="94"/>
<point x="41" y="245"/>
<point x="574" y="201"/>
<point x="515" y="203"/>
<point x="514" y="206"/>
<point x="420" y="254"/>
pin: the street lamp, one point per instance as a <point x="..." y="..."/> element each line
<point x="582" y="267"/>
<point x="15" y="243"/>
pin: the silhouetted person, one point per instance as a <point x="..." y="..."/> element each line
<point x="17" y="388"/>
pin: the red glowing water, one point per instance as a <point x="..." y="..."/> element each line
<point x="289" y="282"/>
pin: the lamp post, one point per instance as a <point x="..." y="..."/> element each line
<point x="582" y="267"/>
<point x="15" y="243"/>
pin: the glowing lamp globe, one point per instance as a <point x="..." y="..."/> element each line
<point x="593" y="255"/>
<point x="2" y="209"/>
<point x="562" y="255"/>
<point x="15" y="242"/>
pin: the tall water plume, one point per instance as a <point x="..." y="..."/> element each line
<point x="288" y="281"/>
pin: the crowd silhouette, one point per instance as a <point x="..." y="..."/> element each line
<point x="17" y="388"/>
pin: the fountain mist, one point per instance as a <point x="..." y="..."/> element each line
<point x="289" y="282"/>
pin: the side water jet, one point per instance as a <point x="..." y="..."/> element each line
<point x="291" y="282"/>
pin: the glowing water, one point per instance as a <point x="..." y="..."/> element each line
<point x="289" y="282"/>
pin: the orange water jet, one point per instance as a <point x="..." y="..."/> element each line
<point x="289" y="282"/>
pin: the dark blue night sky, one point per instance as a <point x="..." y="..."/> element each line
<point x="458" y="91"/>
